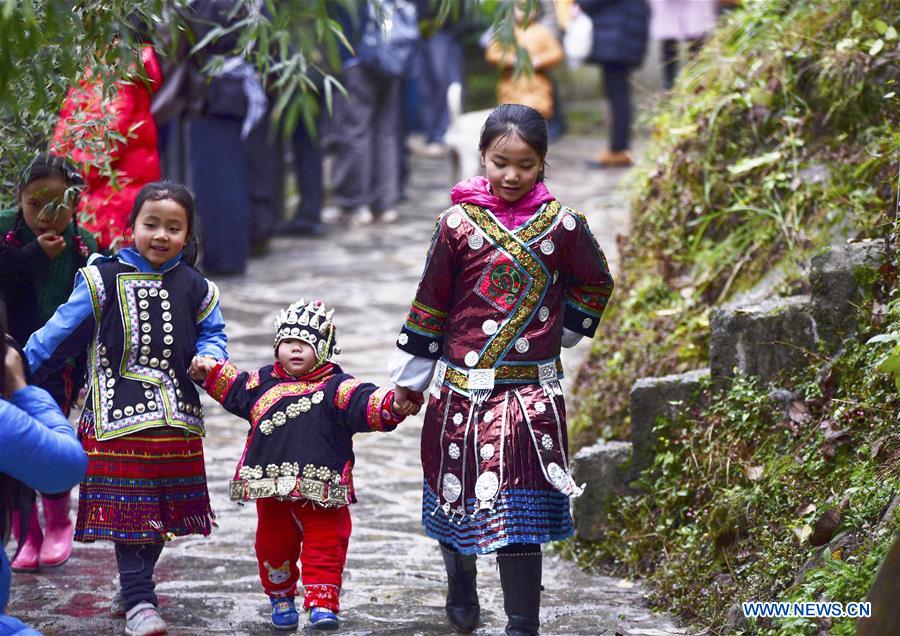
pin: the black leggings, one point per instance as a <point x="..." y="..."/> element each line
<point x="512" y="548"/>
<point x="618" y="91"/>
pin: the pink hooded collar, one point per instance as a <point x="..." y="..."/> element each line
<point x="477" y="191"/>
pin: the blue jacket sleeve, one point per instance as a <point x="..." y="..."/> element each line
<point x="68" y="333"/>
<point x="211" y="338"/>
<point x="37" y="443"/>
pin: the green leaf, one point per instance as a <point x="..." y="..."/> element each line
<point x="876" y="47"/>
<point x="749" y="164"/>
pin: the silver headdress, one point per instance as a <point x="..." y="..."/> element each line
<point x="310" y="322"/>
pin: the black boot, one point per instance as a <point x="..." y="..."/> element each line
<point x="520" y="577"/>
<point x="462" y="595"/>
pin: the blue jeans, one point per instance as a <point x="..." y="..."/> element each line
<point x="136" y="564"/>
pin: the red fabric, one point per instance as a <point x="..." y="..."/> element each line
<point x="104" y="208"/>
<point x="477" y="191"/>
<point x="290" y="530"/>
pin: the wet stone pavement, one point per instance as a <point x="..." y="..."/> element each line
<point x="394" y="581"/>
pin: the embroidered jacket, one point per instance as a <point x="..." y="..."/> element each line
<point x="141" y="326"/>
<point x="300" y="444"/>
<point x="497" y="299"/>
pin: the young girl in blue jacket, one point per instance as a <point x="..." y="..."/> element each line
<point x="144" y="316"/>
<point x="37" y="447"/>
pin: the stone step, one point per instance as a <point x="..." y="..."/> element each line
<point x="604" y="467"/>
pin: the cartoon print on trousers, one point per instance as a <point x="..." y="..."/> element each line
<point x="280" y="574"/>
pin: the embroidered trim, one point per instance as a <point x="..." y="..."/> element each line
<point x="589" y="299"/>
<point x="504" y="373"/>
<point x="344" y="392"/>
<point x="426" y="320"/>
<point x="516" y="246"/>
<point x="277" y="392"/>
<point x="221" y="382"/>
<point x="252" y="380"/>
<point x="209" y="302"/>
<point x="377" y="414"/>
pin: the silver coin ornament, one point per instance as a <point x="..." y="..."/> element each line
<point x="451" y="487"/>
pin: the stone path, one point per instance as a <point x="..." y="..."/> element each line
<point x="394" y="583"/>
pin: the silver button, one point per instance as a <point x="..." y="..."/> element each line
<point x="143" y="304"/>
<point x="117" y="414"/>
<point x="165" y="304"/>
<point x="104" y="362"/>
<point x="110" y="394"/>
<point x="476" y="241"/>
<point x="458" y="419"/>
<point x="167" y="327"/>
<point x="178" y="392"/>
<point x="402" y="339"/>
<point x="454" y="220"/>
<point x="146" y="338"/>
<point x="163" y="364"/>
<point x="167" y="315"/>
<point x="543" y="314"/>
<point x="569" y="222"/>
<point x="139" y="407"/>
<point x="101" y="350"/>
<point x="143" y="360"/>
<point x="129" y="411"/>
<point x="587" y="322"/>
<point x="109" y="372"/>
<point x="540" y="407"/>
<point x="433" y="347"/>
<point x="146" y="327"/>
<point x="489" y="327"/>
<point x="163" y="294"/>
<point x="144" y="315"/>
<point x="145" y="350"/>
<point x="453" y="451"/>
<point x="148" y="394"/>
<point x="547" y="442"/>
<point x="142" y="293"/>
<point x="151" y="405"/>
<point x="522" y="345"/>
<point x="167" y="353"/>
<point x="154" y="362"/>
<point x="488" y="416"/>
<point x="471" y="358"/>
<point x="487" y="451"/>
<point x="110" y="382"/>
<point x="154" y="291"/>
<point x="168" y="339"/>
<point x="547" y="247"/>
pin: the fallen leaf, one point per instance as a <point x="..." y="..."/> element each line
<point x="805" y="509"/>
<point x="826" y="526"/>
<point x="799" y="412"/>
<point x="753" y="473"/>
<point x="803" y="532"/>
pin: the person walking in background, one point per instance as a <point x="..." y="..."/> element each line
<point x="37" y="447"/>
<point x="620" y="42"/>
<point x="680" y="21"/>
<point x="80" y="135"/>
<point x="143" y="316"/>
<point x="510" y="277"/>
<point x="545" y="52"/>
<point x="41" y="249"/>
<point x="365" y="129"/>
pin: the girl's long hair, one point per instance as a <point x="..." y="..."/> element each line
<point x="171" y="191"/>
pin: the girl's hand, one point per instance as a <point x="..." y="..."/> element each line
<point x="52" y="244"/>
<point x="201" y="366"/>
<point x="14" y="374"/>
<point x="407" y="401"/>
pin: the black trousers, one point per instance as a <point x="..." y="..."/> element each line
<point x="618" y="92"/>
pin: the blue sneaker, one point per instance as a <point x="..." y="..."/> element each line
<point x="322" y="618"/>
<point x="284" y="613"/>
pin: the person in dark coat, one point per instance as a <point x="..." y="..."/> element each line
<point x="620" y="42"/>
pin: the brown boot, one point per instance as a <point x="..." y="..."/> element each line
<point x="613" y="159"/>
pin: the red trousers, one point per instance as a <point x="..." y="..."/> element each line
<point x="290" y="530"/>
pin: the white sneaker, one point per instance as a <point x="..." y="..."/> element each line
<point x="362" y="216"/>
<point x="388" y="216"/>
<point x="144" y="620"/>
<point x="333" y="214"/>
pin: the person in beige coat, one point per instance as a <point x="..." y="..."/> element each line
<point x="545" y="51"/>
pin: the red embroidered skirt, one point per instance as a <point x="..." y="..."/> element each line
<point x="146" y="487"/>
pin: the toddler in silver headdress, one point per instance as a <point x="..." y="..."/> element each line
<point x="297" y="463"/>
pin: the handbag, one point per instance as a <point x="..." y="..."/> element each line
<point x="391" y="38"/>
<point x="578" y="39"/>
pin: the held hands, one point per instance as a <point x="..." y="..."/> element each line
<point x="52" y="244"/>
<point x="407" y="401"/>
<point x="14" y="373"/>
<point x="201" y="366"/>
